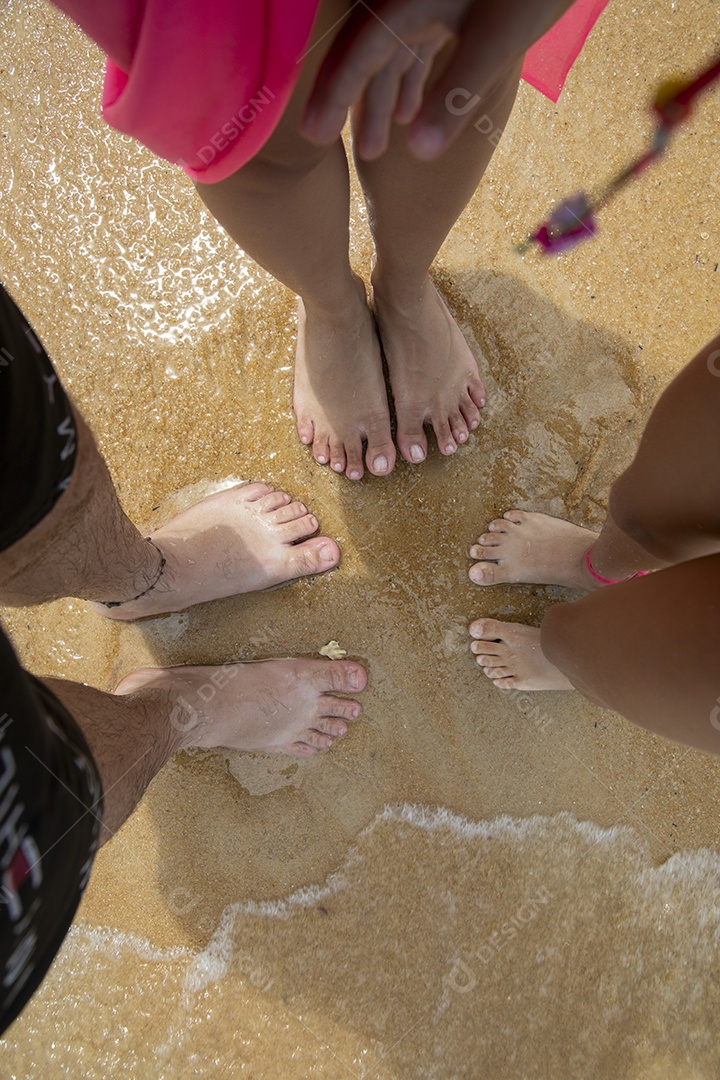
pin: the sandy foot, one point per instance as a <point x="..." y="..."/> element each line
<point x="241" y="540"/>
<point x="433" y="373"/>
<point x="511" y="657"/>
<point x="339" y="397"/>
<point x="270" y="707"/>
<point x="535" y="549"/>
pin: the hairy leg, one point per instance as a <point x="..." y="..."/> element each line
<point x="289" y="208"/>
<point x="412" y="206"/>
<point x="277" y="706"/>
<point x="240" y="540"/>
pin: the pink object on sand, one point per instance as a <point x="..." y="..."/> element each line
<point x="549" y="60"/>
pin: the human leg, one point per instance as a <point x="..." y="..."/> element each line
<point x="64" y="533"/>
<point x="646" y="647"/>
<point x="664" y="509"/>
<point x="289" y="209"/>
<point x="412" y="205"/>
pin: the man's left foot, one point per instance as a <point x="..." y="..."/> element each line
<point x="244" y="539"/>
<point x="433" y="374"/>
<point x="511" y="657"/>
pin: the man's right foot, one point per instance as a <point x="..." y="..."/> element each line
<point x="534" y="549"/>
<point x="269" y="707"/>
<point x="339" y="398"/>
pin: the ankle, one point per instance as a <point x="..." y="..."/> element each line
<point x="340" y="304"/>
<point x="401" y="289"/>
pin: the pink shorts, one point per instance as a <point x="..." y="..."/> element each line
<point x="203" y="83"/>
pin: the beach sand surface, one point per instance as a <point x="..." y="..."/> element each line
<point x="472" y="883"/>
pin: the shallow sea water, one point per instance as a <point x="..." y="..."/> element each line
<point x="540" y="899"/>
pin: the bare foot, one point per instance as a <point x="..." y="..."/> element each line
<point x="433" y="373"/>
<point x="339" y="397"/>
<point x="269" y="707"/>
<point x="535" y="549"/>
<point x="245" y="539"/>
<point x="511" y="657"/>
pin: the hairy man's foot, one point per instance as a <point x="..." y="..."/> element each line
<point x="242" y="540"/>
<point x="511" y="657"/>
<point x="269" y="707"/>
<point x="339" y="396"/>
<point x="433" y="374"/>
<point x="534" y="549"/>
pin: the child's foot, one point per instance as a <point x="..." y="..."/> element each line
<point x="535" y="549"/>
<point x="339" y="397"/>
<point x="511" y="657"/>
<point x="269" y="707"/>
<point x="433" y="373"/>
<point x="242" y="540"/>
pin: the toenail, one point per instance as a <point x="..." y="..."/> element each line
<point x="462" y="437"/>
<point x="450" y="448"/>
<point x="354" y="678"/>
<point x="321" y="459"/>
<point x="355" y="712"/>
<point x="338" y="467"/>
<point x="417" y="453"/>
<point x="313" y="521"/>
<point x="380" y="464"/>
<point x="353" y="474"/>
<point x="327" y="553"/>
<point x="474" y="424"/>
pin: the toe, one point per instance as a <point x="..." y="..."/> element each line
<point x="471" y="413"/>
<point x="446" y="442"/>
<point x="335" y="708"/>
<point x="253" y="492"/>
<point x="353" y="452"/>
<point x="338" y="459"/>
<point x="317" y="739"/>
<point x="482" y="573"/>
<point x="517" y="517"/>
<point x="341" y="676"/>
<point x="486" y="629"/>
<point x="300" y="749"/>
<point x="380" y="453"/>
<point x="272" y="501"/>
<point x="313" y="556"/>
<point x="335" y="728"/>
<point x="476" y="390"/>
<point x="412" y="442"/>
<point x="499" y="525"/>
<point x="290" y="512"/>
<point x="298" y="528"/>
<point x="459" y="429"/>
<point x="495" y="672"/>
<point x="321" y="449"/>
<point x="305" y="430"/>
<point x="484" y="550"/>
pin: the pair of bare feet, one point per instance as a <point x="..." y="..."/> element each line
<point x="340" y="398"/>
<point x="533" y="549"/>
<point x="241" y="540"/>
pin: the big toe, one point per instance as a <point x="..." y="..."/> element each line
<point x="313" y="556"/>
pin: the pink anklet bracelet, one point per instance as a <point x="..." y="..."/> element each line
<point x="607" y="580"/>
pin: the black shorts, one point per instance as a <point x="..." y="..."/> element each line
<point x="50" y="791"/>
<point x="37" y="429"/>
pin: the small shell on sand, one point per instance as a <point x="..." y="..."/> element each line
<point x="333" y="650"/>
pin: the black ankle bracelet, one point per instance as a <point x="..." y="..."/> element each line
<point x="119" y="603"/>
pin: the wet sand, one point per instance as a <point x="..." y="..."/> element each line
<point x="179" y="351"/>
